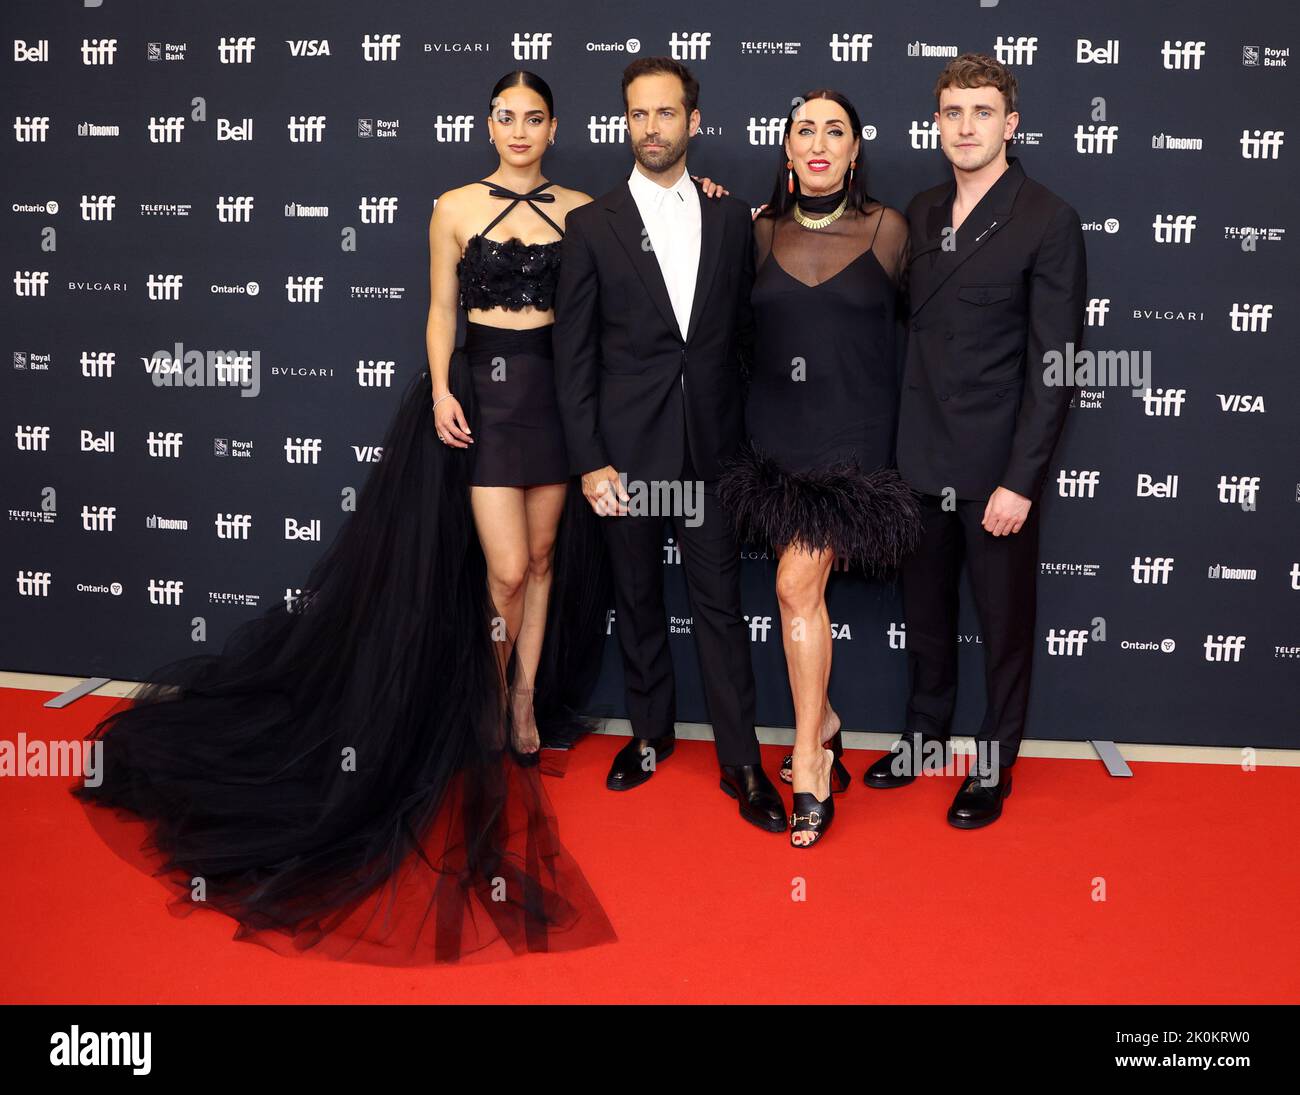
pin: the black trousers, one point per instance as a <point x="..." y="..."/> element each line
<point x="710" y="557"/>
<point x="1004" y="580"/>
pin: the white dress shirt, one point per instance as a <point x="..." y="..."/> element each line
<point x="671" y="215"/>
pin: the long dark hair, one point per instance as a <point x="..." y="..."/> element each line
<point x="859" y="197"/>
<point x="526" y="79"/>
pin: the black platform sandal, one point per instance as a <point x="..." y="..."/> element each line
<point x="840" y="778"/>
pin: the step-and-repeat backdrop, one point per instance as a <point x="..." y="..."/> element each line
<point x="248" y="185"/>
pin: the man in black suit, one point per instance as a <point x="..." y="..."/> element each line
<point x="997" y="285"/>
<point x="652" y="315"/>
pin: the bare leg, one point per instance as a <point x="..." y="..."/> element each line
<point x="806" y="632"/>
<point x="502" y="522"/>
<point x="543" y="505"/>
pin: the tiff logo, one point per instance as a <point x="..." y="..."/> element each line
<point x="1182" y="55"/>
<point x="1077" y="484"/>
<point x="1250" y="317"/>
<point x="1262" y="144"/>
<point x="1174" y="228"/>
<point x="233" y="526"/>
<point x="165" y="591"/>
<point x="305" y="289"/>
<point x="380" y="47"/>
<point x="32" y="127"/>
<point x="1098" y="307"/>
<point x="1239" y="490"/>
<point x="304" y="128"/>
<point x="1095" y="140"/>
<point x="1164" y="402"/>
<point x="33" y="583"/>
<point x="850" y="47"/>
<point x="692" y="46"/>
<point x="235" y="51"/>
<point x="923" y="135"/>
<point x="607" y="128"/>
<point x="534" y="47"/>
<point x="1152" y="571"/>
<point x="98" y="518"/>
<point x="452" y="127"/>
<point x="31" y="283"/>
<point x="378" y="210"/>
<point x="98" y="51"/>
<point x="234" y="210"/>
<point x="302" y="450"/>
<point x="1224" y="648"/>
<point x="98" y="207"/>
<point x="1015" y="51"/>
<point x="165" y="286"/>
<point x="165" y="130"/>
<point x="97" y="363"/>
<point x="1068" y="644"/>
<point x="375" y="374"/>
<point x="32" y="438"/>
<point x="165" y="446"/>
<point x="763" y="131"/>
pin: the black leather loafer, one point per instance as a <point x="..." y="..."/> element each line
<point x="637" y="760"/>
<point x="896" y="769"/>
<point x="760" y="802"/>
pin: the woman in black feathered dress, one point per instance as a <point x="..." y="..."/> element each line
<point x="815" y="480"/>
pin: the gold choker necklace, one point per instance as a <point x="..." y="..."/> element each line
<point x="821" y="222"/>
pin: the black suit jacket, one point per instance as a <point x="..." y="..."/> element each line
<point x="632" y="392"/>
<point x="975" y="412"/>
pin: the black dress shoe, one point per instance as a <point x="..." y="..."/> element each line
<point x="760" y="802"/>
<point x="977" y="805"/>
<point x="637" y="760"/>
<point x="896" y="768"/>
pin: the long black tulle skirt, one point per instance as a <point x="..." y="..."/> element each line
<point x="340" y="780"/>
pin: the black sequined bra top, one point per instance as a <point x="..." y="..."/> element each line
<point x="510" y="273"/>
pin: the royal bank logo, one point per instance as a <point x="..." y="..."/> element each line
<point x="377" y="127"/>
<point x="1259" y="56"/>
<point x="165" y="51"/>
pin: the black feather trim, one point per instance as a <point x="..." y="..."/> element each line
<point x="870" y="519"/>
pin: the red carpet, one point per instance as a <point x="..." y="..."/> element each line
<point x="1201" y="874"/>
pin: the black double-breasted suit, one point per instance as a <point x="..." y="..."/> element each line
<point x="635" y="394"/>
<point x="986" y="305"/>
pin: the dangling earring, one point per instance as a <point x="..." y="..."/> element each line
<point x="551" y="141"/>
<point x="789" y="177"/>
<point x="852" y="165"/>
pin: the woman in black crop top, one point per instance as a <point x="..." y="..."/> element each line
<point x="354" y="778"/>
